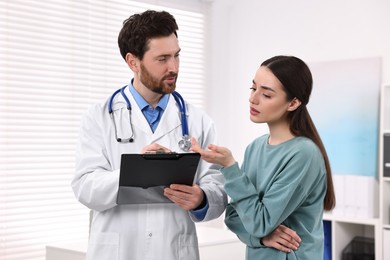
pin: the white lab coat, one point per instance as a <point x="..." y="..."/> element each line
<point x="140" y="231"/>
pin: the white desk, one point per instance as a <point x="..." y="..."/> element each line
<point x="214" y="244"/>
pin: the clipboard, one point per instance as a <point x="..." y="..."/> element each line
<point x="143" y="177"/>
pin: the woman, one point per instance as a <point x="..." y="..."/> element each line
<point x="285" y="178"/>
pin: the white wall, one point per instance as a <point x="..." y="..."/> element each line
<point x="246" y="32"/>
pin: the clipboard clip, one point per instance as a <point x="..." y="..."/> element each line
<point x="161" y="154"/>
<point x="160" y="151"/>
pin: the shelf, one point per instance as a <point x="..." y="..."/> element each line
<point x="386" y="109"/>
<point x="352" y="220"/>
<point x="385" y="181"/>
<point x="345" y="228"/>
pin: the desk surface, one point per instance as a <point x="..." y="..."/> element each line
<point x="207" y="236"/>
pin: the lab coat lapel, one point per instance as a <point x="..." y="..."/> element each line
<point x="170" y="120"/>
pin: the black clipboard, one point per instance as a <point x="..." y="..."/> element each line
<point x="143" y="177"/>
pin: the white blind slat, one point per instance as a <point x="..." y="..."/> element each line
<point x="56" y="59"/>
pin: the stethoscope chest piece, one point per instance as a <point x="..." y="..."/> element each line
<point x="185" y="143"/>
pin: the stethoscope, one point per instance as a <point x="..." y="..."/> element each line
<point x="184" y="143"/>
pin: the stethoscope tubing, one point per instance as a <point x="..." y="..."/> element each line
<point x="182" y="108"/>
<point x="178" y="98"/>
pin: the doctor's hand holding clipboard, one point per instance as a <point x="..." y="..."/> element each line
<point x="186" y="197"/>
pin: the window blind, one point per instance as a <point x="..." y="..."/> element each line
<point x="56" y="59"/>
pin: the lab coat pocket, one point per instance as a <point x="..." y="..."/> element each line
<point x="188" y="247"/>
<point x="103" y="246"/>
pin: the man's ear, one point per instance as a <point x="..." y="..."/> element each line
<point x="294" y="104"/>
<point x="132" y="62"/>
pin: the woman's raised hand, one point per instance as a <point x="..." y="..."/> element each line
<point x="215" y="154"/>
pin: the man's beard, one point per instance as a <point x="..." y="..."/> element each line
<point x="155" y="85"/>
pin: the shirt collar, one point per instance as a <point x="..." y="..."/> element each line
<point x="141" y="102"/>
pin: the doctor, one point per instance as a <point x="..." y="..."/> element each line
<point x="148" y="42"/>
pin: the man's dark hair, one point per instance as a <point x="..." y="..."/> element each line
<point x="138" y="29"/>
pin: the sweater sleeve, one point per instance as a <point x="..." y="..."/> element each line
<point x="252" y="216"/>
<point x="233" y="221"/>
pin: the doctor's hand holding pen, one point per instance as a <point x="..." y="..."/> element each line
<point x="282" y="238"/>
<point x="186" y="197"/>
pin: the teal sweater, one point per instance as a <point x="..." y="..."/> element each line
<point x="278" y="184"/>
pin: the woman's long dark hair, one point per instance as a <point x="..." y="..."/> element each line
<point x="297" y="81"/>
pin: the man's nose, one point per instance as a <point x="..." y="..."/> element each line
<point x="173" y="64"/>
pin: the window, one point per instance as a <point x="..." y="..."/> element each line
<point x="56" y="59"/>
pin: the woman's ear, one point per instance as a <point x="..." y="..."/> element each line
<point x="294" y="104"/>
<point x="132" y="62"/>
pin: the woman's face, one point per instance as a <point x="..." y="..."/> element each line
<point x="268" y="100"/>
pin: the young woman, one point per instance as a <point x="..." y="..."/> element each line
<point x="285" y="178"/>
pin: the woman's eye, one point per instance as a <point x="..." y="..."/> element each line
<point x="266" y="96"/>
<point x="252" y="88"/>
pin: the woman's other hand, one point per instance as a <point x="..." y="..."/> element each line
<point x="283" y="239"/>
